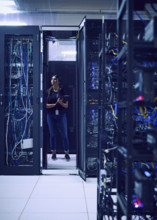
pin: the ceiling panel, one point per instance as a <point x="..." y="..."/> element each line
<point x="67" y="5"/>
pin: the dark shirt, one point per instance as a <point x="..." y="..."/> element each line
<point x="52" y="99"/>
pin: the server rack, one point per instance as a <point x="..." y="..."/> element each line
<point x="19" y="104"/>
<point x="88" y="78"/>
<point x="106" y="186"/>
<point x="136" y="157"/>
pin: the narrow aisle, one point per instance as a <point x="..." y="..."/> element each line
<point x="47" y="197"/>
<point x="90" y="189"/>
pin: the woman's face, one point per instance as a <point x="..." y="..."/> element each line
<point x="54" y="81"/>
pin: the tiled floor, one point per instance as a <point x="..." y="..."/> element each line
<point x="61" y="163"/>
<point x="45" y="197"/>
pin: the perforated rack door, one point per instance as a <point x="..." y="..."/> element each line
<point x="88" y="74"/>
<point x="19" y="106"/>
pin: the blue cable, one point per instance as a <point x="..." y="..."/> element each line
<point x="115" y="110"/>
<point x="144" y="22"/>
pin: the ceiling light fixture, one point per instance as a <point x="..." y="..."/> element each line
<point x="8" y="7"/>
<point x="6" y="10"/>
<point x="7" y="3"/>
<point x="70" y="52"/>
<point x="12" y="23"/>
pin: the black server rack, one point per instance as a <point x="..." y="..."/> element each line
<point x="136" y="154"/>
<point x="88" y="78"/>
<point x="19" y="100"/>
<point x="107" y="144"/>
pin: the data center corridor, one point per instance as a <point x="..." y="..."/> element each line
<point x="47" y="197"/>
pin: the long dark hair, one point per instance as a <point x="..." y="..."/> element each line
<point x="57" y="77"/>
<point x="49" y="90"/>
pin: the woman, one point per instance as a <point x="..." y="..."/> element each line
<point x="56" y="105"/>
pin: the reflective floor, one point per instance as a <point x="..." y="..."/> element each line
<point x="61" y="163"/>
<point x="58" y="194"/>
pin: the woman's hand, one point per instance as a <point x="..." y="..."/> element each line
<point x="59" y="100"/>
<point x="65" y="105"/>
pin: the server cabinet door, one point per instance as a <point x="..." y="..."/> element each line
<point x="81" y="160"/>
<point x="19" y="100"/>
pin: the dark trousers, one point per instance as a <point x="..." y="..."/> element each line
<point x="58" y="122"/>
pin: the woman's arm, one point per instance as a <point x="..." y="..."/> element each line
<point x="63" y="104"/>
<point x="50" y="105"/>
